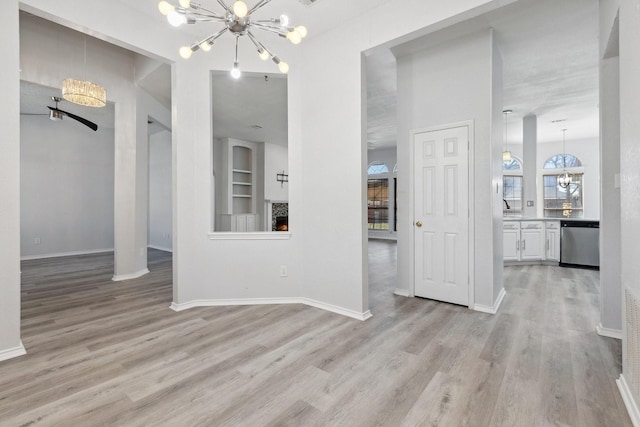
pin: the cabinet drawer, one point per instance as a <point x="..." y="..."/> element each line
<point x="511" y="225"/>
<point x="532" y="225"/>
<point x="552" y="225"/>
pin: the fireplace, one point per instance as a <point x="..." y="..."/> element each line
<point x="282" y="223"/>
<point x="279" y="212"/>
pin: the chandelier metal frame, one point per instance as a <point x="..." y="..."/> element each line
<point x="238" y="21"/>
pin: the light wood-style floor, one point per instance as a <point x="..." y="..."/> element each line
<point x="105" y="353"/>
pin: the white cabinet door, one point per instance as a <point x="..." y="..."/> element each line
<point x="532" y="241"/>
<point x="553" y="241"/>
<point x="511" y="241"/>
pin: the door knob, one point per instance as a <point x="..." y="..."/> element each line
<point x="418" y="223"/>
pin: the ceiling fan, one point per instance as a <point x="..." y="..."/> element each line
<point x="57" y="114"/>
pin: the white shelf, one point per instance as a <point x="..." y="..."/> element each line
<point x="241" y="171"/>
<point x="242" y="196"/>
<point x="242" y="183"/>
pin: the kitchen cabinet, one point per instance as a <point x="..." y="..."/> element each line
<point x="523" y="240"/>
<point x="511" y="239"/>
<point x="552" y="234"/>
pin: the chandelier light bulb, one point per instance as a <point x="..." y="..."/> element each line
<point x="302" y="30"/>
<point x="294" y="37"/>
<point x="240" y="9"/>
<point x="165" y="8"/>
<point x="284" y="20"/>
<point x="185" y="3"/>
<point x="185" y="52"/>
<point x="206" y="46"/>
<point x="176" y="19"/>
<point x="264" y="55"/>
<point x="235" y="71"/>
<point x="283" y="67"/>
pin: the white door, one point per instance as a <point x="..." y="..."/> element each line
<point x="441" y="215"/>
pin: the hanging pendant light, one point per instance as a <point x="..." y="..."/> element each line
<point x="565" y="179"/>
<point x="83" y="92"/>
<point x="506" y="154"/>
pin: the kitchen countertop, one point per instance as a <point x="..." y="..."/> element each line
<point x="510" y="218"/>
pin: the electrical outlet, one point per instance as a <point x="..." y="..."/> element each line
<point x="37" y="241"/>
<point x="283" y="271"/>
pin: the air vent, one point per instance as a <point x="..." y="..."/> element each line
<point x="309" y="2"/>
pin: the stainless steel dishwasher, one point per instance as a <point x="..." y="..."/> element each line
<point x="580" y="244"/>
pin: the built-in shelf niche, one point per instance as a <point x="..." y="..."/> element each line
<point x="238" y="211"/>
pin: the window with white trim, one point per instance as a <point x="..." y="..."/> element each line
<point x="512" y="185"/>
<point x="561" y="202"/>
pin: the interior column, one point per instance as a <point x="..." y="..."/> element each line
<point x="130" y="204"/>
<point x="10" y="345"/>
<point x="529" y="156"/>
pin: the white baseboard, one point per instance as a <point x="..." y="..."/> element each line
<point x="629" y="401"/>
<point x="338" y="310"/>
<point x="12" y="352"/>
<point x="610" y="333"/>
<point x="160" y="248"/>
<point x="496" y="306"/>
<point x="262" y="301"/>
<point x="121" y="277"/>
<point x="401" y="292"/>
<point x="61" y="254"/>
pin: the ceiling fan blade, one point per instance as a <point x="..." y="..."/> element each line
<point x="78" y="118"/>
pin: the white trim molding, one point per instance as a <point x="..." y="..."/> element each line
<point x="496" y="305"/>
<point x="629" y="401"/>
<point x="264" y="235"/>
<point x="10" y="353"/>
<point x="160" y="248"/>
<point x="401" y="292"/>
<point x="609" y="333"/>
<point x="121" y="277"/>
<point x="267" y="301"/>
<point x="62" y="254"/>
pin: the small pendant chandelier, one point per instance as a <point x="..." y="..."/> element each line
<point x="506" y="154"/>
<point x="565" y="179"/>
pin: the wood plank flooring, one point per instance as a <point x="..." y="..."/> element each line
<point x="113" y="353"/>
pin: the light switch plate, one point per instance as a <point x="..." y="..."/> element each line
<point x="529" y="203"/>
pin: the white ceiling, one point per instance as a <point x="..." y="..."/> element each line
<point x="253" y="108"/>
<point x="550" y="58"/>
<point x="550" y="69"/>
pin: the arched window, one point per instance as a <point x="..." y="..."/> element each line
<point x="377" y="168"/>
<point x="512" y="165"/>
<point x="556" y="162"/>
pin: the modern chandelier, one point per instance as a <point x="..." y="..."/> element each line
<point x="564" y="180"/>
<point x="238" y="21"/>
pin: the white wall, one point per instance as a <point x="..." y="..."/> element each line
<point x="610" y="227"/>
<point x="389" y="157"/>
<point x="435" y="88"/>
<point x="160" y="191"/>
<point x="276" y="160"/>
<point x="10" y="345"/>
<point x="630" y="156"/>
<point x="66" y="188"/>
